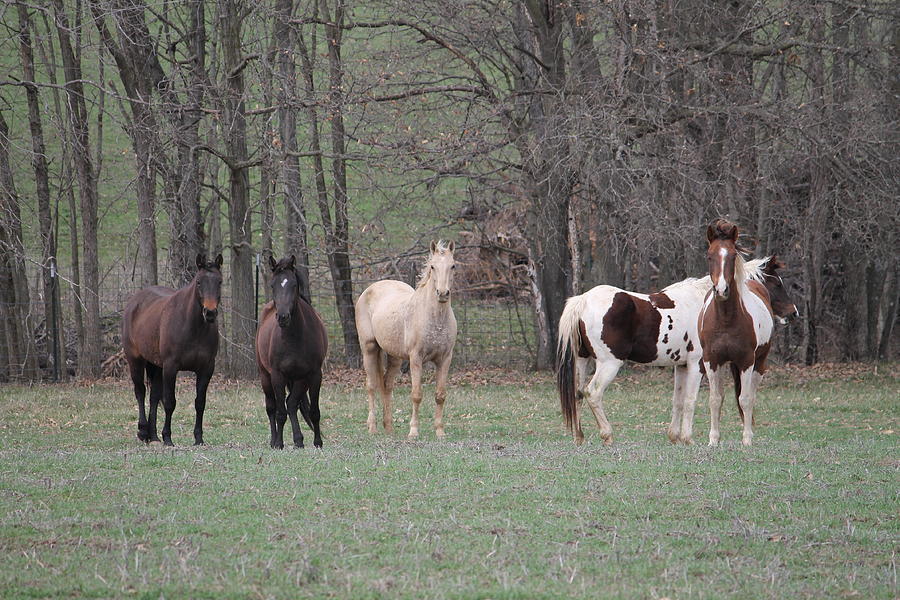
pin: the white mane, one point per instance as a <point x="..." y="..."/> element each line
<point x="745" y="270"/>
<point x="701" y="284"/>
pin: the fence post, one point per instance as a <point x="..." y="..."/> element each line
<point x="53" y="319"/>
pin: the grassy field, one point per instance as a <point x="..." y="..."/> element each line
<point x="506" y="507"/>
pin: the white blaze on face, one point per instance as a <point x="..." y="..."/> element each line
<point x="284" y="283"/>
<point x="721" y="286"/>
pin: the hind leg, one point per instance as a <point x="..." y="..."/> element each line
<point x="582" y="371"/>
<point x="136" y="369"/>
<point x="387" y="392"/>
<point x="269" y="392"/>
<point x="440" y="396"/>
<point x="674" y="431"/>
<point x="691" y="385"/>
<point x="372" y="365"/>
<point x="716" y="395"/>
<point x="415" y="374"/>
<point x="154" y="374"/>
<point x="200" y="403"/>
<point x="296" y="397"/>
<point x="315" y="386"/>
<point x="749" y="383"/>
<point x="606" y="371"/>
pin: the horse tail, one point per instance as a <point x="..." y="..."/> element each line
<point x="568" y="345"/>
<point x="303" y="405"/>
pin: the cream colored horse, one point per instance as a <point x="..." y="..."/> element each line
<point x="396" y="322"/>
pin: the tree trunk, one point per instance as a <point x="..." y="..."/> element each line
<point x="295" y="239"/>
<point x="22" y="356"/>
<point x="338" y="242"/>
<point x="188" y="238"/>
<point x="239" y="215"/>
<point x="38" y="161"/>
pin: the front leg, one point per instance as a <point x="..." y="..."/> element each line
<point x="200" y="403"/>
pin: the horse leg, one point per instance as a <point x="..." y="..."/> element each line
<point x="582" y="370"/>
<point x="278" y="386"/>
<point x="200" y="404"/>
<point x="154" y="373"/>
<point x="298" y="391"/>
<point x="315" y="386"/>
<point x="415" y="374"/>
<point x="716" y="396"/>
<point x="674" y="432"/>
<point x="603" y="376"/>
<point x="169" y="375"/>
<point x="749" y="382"/>
<point x="269" y="392"/>
<point x="374" y="381"/>
<point x="140" y="392"/>
<point x="690" y="386"/>
<point x="443" y="371"/>
<point x="387" y="391"/>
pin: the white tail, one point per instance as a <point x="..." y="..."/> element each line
<point x="569" y="336"/>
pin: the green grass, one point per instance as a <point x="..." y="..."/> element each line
<point x="506" y="507"/>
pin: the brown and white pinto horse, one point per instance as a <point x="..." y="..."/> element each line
<point x="735" y="327"/>
<point x="609" y="325"/>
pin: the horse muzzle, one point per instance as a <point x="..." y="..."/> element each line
<point x="443" y="296"/>
<point x="283" y="320"/>
<point x="210" y="314"/>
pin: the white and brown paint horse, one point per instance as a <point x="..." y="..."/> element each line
<point x="608" y="325"/>
<point x="735" y="326"/>
<point x="396" y="322"/>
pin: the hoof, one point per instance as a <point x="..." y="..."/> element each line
<point x="199" y="443"/>
<point x="300" y="445"/>
<point x="687" y="441"/>
<point x="440" y="434"/>
<point x="413" y="435"/>
<point x="579" y="440"/>
<point x="607" y="441"/>
<point x="713" y="443"/>
<point x="317" y="444"/>
<point x="673" y="437"/>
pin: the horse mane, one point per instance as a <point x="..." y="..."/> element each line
<point x="701" y="284"/>
<point x="425" y="276"/>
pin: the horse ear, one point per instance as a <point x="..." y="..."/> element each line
<point x="272" y="263"/>
<point x="711" y="233"/>
<point x="433" y="246"/>
<point x="293" y="261"/>
<point x="451" y="246"/>
<point x="733" y="234"/>
<point x="201" y="260"/>
<point x="219" y="260"/>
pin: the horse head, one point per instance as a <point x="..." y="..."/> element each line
<point x="441" y="266"/>
<point x="285" y="285"/>
<point x="209" y="286"/>
<point x="782" y="305"/>
<point x="721" y="256"/>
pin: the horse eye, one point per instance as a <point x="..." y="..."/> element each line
<point x="453" y="266"/>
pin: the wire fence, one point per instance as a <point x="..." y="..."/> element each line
<point x="491" y="332"/>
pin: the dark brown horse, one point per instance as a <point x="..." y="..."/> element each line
<point x="291" y="345"/>
<point x="165" y="331"/>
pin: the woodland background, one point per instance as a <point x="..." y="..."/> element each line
<point x="561" y="144"/>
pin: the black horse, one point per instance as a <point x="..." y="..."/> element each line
<point x="291" y="345"/>
<point x="165" y="331"/>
